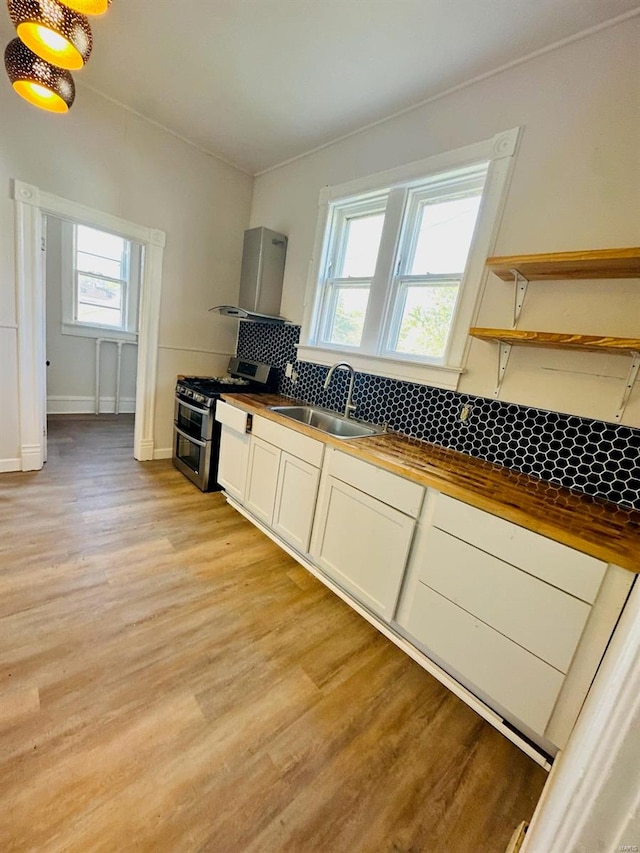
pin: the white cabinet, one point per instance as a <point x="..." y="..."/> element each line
<point x="463" y="644"/>
<point x="359" y="540"/>
<point x="510" y="614"/>
<point x="518" y="622"/>
<point x="295" y="501"/>
<point x="282" y="484"/>
<point x="234" y="449"/>
<point x="262" y="479"/>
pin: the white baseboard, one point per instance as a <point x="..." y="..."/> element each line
<point x="31" y="458"/>
<point x="163" y="453"/>
<point x="144" y="450"/>
<point x="86" y="405"/>
<point x="7" y="465"/>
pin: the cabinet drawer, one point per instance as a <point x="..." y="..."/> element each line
<point x="576" y="573"/>
<point x="543" y="619"/>
<point x="291" y="440"/>
<point x="234" y="418"/>
<point x="389" y="488"/>
<point x="514" y="678"/>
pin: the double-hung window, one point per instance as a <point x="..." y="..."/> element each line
<point x="356" y="232"/>
<point x="100" y="277"/>
<point x="399" y="264"/>
<point x="436" y="232"/>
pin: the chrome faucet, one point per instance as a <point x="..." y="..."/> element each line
<point x="350" y="406"/>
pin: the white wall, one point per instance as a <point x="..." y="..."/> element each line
<point x="576" y="185"/>
<point x="107" y="158"/>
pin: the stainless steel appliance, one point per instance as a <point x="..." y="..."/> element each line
<point x="263" y="255"/>
<point x="196" y="433"/>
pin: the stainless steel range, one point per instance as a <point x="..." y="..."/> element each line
<point x="196" y="432"/>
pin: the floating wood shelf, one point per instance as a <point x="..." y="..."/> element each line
<point x="556" y="340"/>
<point x="599" y="263"/>
<point x="506" y="338"/>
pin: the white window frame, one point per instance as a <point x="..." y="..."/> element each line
<point x="499" y="152"/>
<point x="69" y="277"/>
<point x="340" y="217"/>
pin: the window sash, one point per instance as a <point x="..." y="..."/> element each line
<point x="401" y="288"/>
<point x="78" y="270"/>
<point x="413" y="220"/>
<point x="335" y="251"/>
<point x="77" y="301"/>
<point x="333" y="288"/>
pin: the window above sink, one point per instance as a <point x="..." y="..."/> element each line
<point x="399" y="260"/>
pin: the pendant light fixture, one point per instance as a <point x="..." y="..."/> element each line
<point x="87" y="7"/>
<point x="37" y="81"/>
<point x="52" y="31"/>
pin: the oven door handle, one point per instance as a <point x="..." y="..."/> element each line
<point x="189" y="437"/>
<point x="193" y="408"/>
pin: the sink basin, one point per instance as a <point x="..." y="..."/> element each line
<point x="328" y="422"/>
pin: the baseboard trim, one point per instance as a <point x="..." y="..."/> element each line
<point x="163" y="453"/>
<point x="31" y="457"/>
<point x="8" y="465"/>
<point x="70" y="405"/>
<point x="145" y="449"/>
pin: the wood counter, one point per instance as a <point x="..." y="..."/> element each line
<point x="591" y="525"/>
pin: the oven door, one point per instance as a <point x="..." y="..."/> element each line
<point x="192" y="456"/>
<point x="193" y="420"/>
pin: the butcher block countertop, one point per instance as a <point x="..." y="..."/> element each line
<point x="591" y="525"/>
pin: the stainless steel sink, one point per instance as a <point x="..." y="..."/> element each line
<point x="328" y="422"/>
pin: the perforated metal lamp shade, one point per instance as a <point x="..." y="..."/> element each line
<point x="38" y="82"/>
<point x="87" y="7"/>
<point x="52" y="31"/>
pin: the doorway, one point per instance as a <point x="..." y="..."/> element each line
<point x="32" y="205"/>
<point x="92" y="285"/>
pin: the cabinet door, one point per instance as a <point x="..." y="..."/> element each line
<point x="232" y="464"/>
<point x="295" y="501"/>
<point x="362" y="544"/>
<point x="262" y="477"/>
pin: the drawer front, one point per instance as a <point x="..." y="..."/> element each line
<point x="517" y="680"/>
<point x="291" y="440"/>
<point x="389" y="488"/>
<point x="537" y="616"/>
<point x="576" y="573"/>
<point x="234" y="418"/>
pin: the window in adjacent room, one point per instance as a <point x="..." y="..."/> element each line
<point x="101" y="277"/>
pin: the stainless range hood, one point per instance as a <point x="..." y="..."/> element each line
<point x="263" y="256"/>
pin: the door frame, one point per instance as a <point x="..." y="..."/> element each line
<point x="31" y="204"/>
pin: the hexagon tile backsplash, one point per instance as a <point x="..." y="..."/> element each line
<point x="595" y="457"/>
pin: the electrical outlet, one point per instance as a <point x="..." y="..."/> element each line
<point x="290" y="373"/>
<point x="465" y="411"/>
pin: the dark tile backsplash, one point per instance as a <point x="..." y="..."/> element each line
<point x="595" y="457"/>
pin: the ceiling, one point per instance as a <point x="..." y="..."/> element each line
<point x="258" y="82"/>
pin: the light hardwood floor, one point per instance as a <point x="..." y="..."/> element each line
<point x="172" y="681"/>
